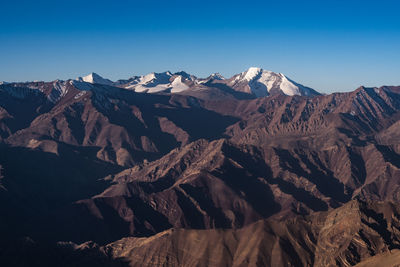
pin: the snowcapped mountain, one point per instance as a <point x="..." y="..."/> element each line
<point x="216" y="76"/>
<point x="159" y="82"/>
<point x="255" y="82"/>
<point x="211" y="78"/>
<point x="150" y="83"/>
<point x="95" y="78"/>
<point x="262" y="83"/>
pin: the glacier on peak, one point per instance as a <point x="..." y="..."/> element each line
<point x="260" y="83"/>
<point x="95" y="78"/>
<point x="178" y="85"/>
<point x="252" y="73"/>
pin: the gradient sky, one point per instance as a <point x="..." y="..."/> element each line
<point x="327" y="45"/>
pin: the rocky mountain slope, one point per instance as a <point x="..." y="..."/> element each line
<point x="351" y="234"/>
<point x="91" y="160"/>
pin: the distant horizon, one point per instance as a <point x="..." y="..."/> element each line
<point x="330" y="46"/>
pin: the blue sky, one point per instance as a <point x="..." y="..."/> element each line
<point x="328" y="45"/>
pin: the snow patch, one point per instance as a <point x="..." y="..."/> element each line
<point x="252" y="73"/>
<point x="287" y="87"/>
<point x="151" y="89"/>
<point x="58" y="91"/>
<point x="158" y="82"/>
<point x="80" y="94"/>
<point x="178" y="86"/>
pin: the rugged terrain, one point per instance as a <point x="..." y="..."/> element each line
<point x="172" y="170"/>
<point x="358" y="232"/>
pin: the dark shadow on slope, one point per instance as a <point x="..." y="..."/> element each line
<point x="326" y="183"/>
<point x="199" y="123"/>
<point x="389" y="155"/>
<point x="300" y="194"/>
<point x="196" y="121"/>
<point x="260" y="169"/>
<point x="204" y="199"/>
<point x="75" y="123"/>
<point x="27" y="252"/>
<point x="358" y="170"/>
<point x="38" y="182"/>
<point x="23" y="110"/>
<point x="193" y="217"/>
<point x="102" y="220"/>
<point x="256" y="193"/>
<point x="227" y="89"/>
<point x="380" y="225"/>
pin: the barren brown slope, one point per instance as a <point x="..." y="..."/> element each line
<point x="125" y="126"/>
<point x="222" y="184"/>
<point x="314" y="122"/>
<point x="18" y="108"/>
<point x="386" y="259"/>
<point x="229" y="184"/>
<point x="209" y="163"/>
<point x="341" y="237"/>
<point x="345" y="236"/>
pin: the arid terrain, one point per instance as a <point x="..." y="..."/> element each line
<point x="173" y="170"/>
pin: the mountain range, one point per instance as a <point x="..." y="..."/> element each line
<point x="255" y="81"/>
<point x="168" y="169"/>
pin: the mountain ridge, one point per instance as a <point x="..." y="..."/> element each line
<point x="268" y="83"/>
<point x="89" y="162"/>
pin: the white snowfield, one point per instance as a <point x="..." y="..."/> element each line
<point x="178" y="85"/>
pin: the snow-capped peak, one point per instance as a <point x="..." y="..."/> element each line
<point x="185" y="75"/>
<point x="95" y="78"/>
<point x="255" y="81"/>
<point x="252" y="73"/>
<point x="288" y="87"/>
<point x="217" y="76"/>
<point x="148" y="78"/>
<point x="178" y="85"/>
<point x="262" y="83"/>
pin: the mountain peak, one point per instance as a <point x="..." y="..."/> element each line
<point x="252" y="73"/>
<point x="217" y="76"/>
<point x="95" y="78"/>
<point x="260" y="83"/>
<point x="254" y="69"/>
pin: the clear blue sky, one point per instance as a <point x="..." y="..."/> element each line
<point x="328" y="45"/>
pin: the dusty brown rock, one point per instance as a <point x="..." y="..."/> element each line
<point x="291" y="181"/>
